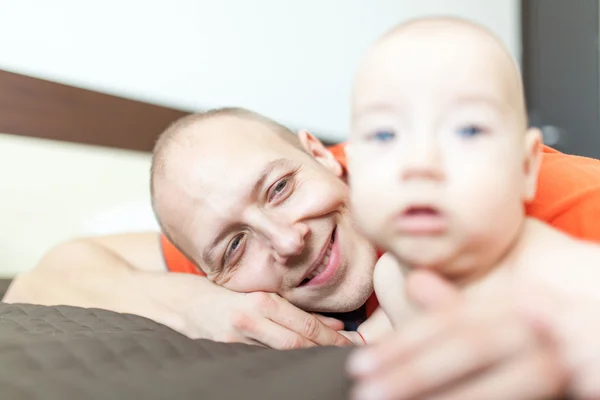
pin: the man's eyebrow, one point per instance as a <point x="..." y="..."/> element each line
<point x="209" y="256"/>
<point x="266" y="171"/>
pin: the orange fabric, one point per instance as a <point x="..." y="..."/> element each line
<point x="175" y="260"/>
<point x="568" y="194"/>
<point x="568" y="197"/>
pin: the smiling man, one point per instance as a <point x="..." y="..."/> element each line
<point x="274" y="219"/>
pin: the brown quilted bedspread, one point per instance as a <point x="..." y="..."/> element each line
<point x="69" y="352"/>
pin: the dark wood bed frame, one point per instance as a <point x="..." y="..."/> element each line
<point x="40" y="108"/>
<point x="49" y="110"/>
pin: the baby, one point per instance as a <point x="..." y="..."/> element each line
<point x="441" y="165"/>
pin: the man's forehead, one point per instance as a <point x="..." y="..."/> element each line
<point x="225" y="147"/>
<point x="231" y="168"/>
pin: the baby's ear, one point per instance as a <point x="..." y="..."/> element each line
<point x="317" y="149"/>
<point x="532" y="162"/>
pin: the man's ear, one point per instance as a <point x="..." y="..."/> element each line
<point x="532" y="162"/>
<point x="315" y="148"/>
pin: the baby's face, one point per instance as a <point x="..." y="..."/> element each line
<point x="440" y="162"/>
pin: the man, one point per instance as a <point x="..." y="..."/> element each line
<point x="125" y="273"/>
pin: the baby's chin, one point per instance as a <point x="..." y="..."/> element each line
<point x="434" y="254"/>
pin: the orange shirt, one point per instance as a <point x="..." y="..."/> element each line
<point x="568" y="198"/>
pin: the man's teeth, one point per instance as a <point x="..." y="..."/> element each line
<point x="322" y="266"/>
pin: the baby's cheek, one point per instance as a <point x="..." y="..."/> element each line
<point x="364" y="212"/>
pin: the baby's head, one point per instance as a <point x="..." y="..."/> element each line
<point x="441" y="161"/>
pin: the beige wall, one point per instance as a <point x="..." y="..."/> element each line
<point x="52" y="191"/>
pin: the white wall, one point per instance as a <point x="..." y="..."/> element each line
<point x="292" y="60"/>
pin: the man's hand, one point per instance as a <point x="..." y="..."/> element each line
<point x="478" y="349"/>
<point x="261" y="318"/>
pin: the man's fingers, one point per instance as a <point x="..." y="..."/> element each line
<point x="333" y="323"/>
<point x="273" y="321"/>
<point x="429" y="290"/>
<point x="306" y="325"/>
<point x="273" y="335"/>
<point x="313" y="329"/>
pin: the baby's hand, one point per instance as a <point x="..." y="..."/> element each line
<point x="573" y="325"/>
<point x="389" y="288"/>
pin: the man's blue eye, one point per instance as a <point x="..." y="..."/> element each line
<point x="384" y="136"/>
<point x="470" y="130"/>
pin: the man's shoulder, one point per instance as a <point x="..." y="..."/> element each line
<point x="568" y="194"/>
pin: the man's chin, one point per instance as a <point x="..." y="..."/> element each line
<point x="343" y="302"/>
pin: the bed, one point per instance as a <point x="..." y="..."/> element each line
<point x="61" y="352"/>
<point x="68" y="352"/>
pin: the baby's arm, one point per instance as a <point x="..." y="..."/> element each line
<point x="394" y="308"/>
<point x="388" y="280"/>
<point x="374" y="328"/>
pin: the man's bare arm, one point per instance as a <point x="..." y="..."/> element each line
<point x="126" y="273"/>
<point x="119" y="273"/>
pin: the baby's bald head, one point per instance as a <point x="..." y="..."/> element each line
<point x="438" y="50"/>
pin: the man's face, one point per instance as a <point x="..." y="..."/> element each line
<point x="263" y="215"/>
<point x="440" y="163"/>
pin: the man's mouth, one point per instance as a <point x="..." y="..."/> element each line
<point x="323" y="262"/>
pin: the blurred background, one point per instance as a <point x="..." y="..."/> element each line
<point x="86" y="86"/>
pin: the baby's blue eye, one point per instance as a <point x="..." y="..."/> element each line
<point x="470" y="130"/>
<point x="384" y="136"/>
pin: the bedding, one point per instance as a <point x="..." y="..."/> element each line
<point x="61" y="352"/>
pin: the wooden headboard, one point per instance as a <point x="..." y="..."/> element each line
<point x="49" y="110"/>
<point x="40" y="108"/>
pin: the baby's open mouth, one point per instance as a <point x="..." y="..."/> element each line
<point x="421" y="220"/>
<point x="421" y="211"/>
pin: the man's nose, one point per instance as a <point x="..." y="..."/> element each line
<point x="287" y="239"/>
<point x="421" y="161"/>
